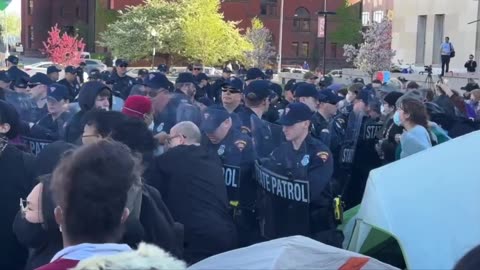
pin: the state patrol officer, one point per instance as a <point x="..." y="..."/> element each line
<point x="14" y="73"/>
<point x="232" y="91"/>
<point x="305" y="200"/>
<point x="164" y="69"/>
<point x="70" y="81"/>
<point x="217" y="85"/>
<point x="322" y="118"/>
<point x="237" y="156"/>
<point x="257" y="102"/>
<point x="123" y="83"/>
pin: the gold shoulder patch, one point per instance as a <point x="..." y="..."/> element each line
<point x="241" y="144"/>
<point x="323" y="156"/>
<point x="245" y="130"/>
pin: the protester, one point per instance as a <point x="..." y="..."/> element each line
<point x="194" y="191"/>
<point x="471" y="260"/>
<point x="412" y="85"/>
<point x="147" y="257"/>
<point x="139" y="107"/>
<point x="35" y="225"/>
<point x="70" y="81"/>
<point x="474" y="102"/>
<point x="471" y="85"/>
<point x="17" y="172"/>
<point x="471" y="64"/>
<point x="412" y="115"/>
<point x="53" y="73"/>
<point x="90" y="188"/>
<point x="387" y="144"/>
<point x="93" y="95"/>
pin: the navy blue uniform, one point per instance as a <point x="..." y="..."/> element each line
<point x="237" y="156"/>
<point x="245" y="115"/>
<point x="320" y="128"/>
<point x="216" y="90"/>
<point x="73" y="88"/>
<point x="49" y="129"/>
<point x="310" y="169"/>
<point x="122" y="86"/>
<point x="165" y="120"/>
<point x="14" y="73"/>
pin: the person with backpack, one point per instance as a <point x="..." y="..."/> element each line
<point x="447" y="52"/>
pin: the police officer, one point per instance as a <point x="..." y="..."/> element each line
<point x="217" y="85"/>
<point x="14" y="72"/>
<point x="365" y="157"/>
<point x="53" y="73"/>
<point x="142" y="75"/>
<point x="80" y="72"/>
<point x="301" y="200"/>
<point x="123" y="82"/>
<point x="21" y="85"/>
<point x="254" y="74"/>
<point x="52" y="126"/>
<point x="94" y="75"/>
<point x="257" y="102"/>
<point x="4" y="84"/>
<point x="38" y="85"/>
<point x="163" y="69"/>
<point x="322" y="119"/>
<point x="237" y="156"/>
<point x="202" y="86"/>
<point x="70" y="81"/>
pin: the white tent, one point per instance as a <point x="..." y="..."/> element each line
<point x="295" y="252"/>
<point x="429" y="202"/>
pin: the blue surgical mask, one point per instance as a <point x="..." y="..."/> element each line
<point x="396" y="118"/>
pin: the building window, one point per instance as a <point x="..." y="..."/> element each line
<point x="333" y="50"/>
<point x="110" y="4"/>
<point x="365" y="18"/>
<point x="305" y="50"/>
<point x="30" y="7"/>
<point x="295" y="48"/>
<point x="301" y="20"/>
<point x="30" y="36"/>
<point x="268" y="7"/>
<point x="77" y="12"/>
<point x="378" y="16"/>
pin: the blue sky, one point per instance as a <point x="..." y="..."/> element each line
<point x="14" y="7"/>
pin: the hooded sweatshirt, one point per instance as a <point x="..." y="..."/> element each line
<point x="86" y="101"/>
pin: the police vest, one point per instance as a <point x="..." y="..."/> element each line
<point x="283" y="204"/>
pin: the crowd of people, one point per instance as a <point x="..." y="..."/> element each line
<point x="93" y="169"/>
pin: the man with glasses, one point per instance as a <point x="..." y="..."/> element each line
<point x="191" y="182"/>
<point x="217" y="86"/>
<point x="197" y="69"/>
<point x="123" y="82"/>
<point x="156" y="88"/>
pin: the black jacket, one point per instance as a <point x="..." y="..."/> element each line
<point x="471" y="65"/>
<point x="192" y="185"/>
<point x="74" y="128"/>
<point x="14" y="73"/>
<point x="73" y="88"/>
<point x="17" y="180"/>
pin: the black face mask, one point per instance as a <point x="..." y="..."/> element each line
<point x="32" y="235"/>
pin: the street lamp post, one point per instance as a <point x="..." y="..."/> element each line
<point x="154" y="34"/>
<point x="325" y="14"/>
<point x="280" y="39"/>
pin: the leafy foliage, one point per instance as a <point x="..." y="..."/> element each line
<point x="261" y="39"/>
<point x="130" y="36"/>
<point x="193" y="29"/>
<point x="63" y="49"/>
<point x="348" y="32"/>
<point x="375" y="53"/>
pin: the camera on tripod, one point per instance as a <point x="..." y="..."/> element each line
<point x="428" y="69"/>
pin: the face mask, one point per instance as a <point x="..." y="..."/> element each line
<point x="30" y="234"/>
<point x="396" y="118"/>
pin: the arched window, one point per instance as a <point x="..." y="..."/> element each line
<point x="301" y="20"/>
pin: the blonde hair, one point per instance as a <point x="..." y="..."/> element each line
<point x="476" y="94"/>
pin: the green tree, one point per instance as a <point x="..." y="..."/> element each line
<point x="350" y="26"/>
<point x="13" y="24"/>
<point x="208" y="37"/>
<point x="130" y="36"/>
<point x="261" y="39"/>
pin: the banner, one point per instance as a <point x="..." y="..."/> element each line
<point x="321" y="27"/>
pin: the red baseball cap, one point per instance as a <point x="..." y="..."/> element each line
<point x="137" y="106"/>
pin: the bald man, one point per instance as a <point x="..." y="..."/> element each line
<point x="191" y="183"/>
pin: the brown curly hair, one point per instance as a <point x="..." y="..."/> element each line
<point x="417" y="111"/>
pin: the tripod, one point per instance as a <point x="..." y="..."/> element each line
<point x="429" y="82"/>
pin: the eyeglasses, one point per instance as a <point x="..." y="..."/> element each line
<point x="123" y="66"/>
<point x="231" y="90"/>
<point x="197" y="68"/>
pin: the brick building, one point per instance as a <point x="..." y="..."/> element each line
<point x="86" y="17"/>
<point x="376" y="10"/>
<point x="300" y="27"/>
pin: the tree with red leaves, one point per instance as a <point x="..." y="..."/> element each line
<point x="62" y="48"/>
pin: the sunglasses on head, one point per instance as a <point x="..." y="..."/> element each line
<point x="230" y="90"/>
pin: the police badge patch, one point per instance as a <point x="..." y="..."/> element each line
<point x="221" y="150"/>
<point x="305" y="160"/>
<point x="323" y="156"/>
<point x="240" y="144"/>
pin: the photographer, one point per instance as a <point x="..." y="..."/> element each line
<point x="471" y="65"/>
